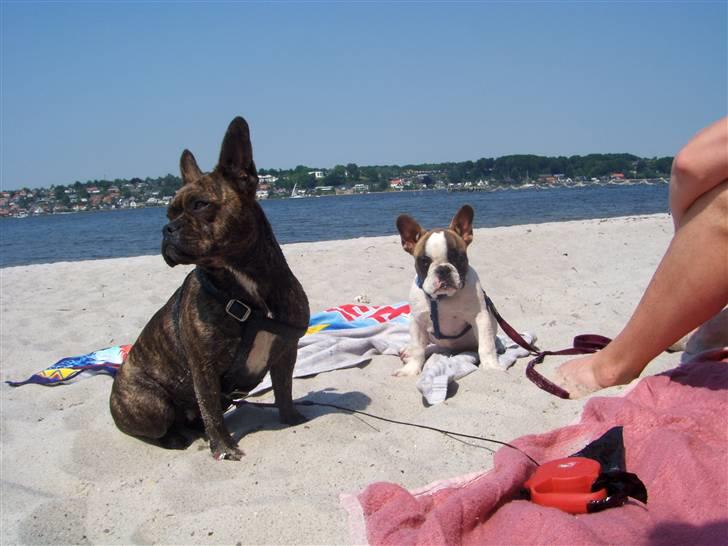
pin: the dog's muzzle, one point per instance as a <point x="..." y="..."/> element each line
<point x="170" y="237"/>
<point x="447" y="277"/>
<point x="443" y="281"/>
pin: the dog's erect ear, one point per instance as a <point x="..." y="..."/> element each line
<point x="188" y="167"/>
<point x="409" y="231"/>
<point x="236" y="157"/>
<point x="462" y="223"/>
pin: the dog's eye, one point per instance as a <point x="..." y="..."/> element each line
<point x="173" y="211"/>
<point x="425" y="262"/>
<point x="200" y="205"/>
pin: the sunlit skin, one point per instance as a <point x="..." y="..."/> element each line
<point x="690" y="284"/>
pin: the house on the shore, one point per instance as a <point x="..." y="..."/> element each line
<point x="266" y="179"/>
<point x="396" y="183"/>
<point x="129" y="203"/>
<point x="546" y="179"/>
<point x="263" y="191"/>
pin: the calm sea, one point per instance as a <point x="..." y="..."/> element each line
<point x="119" y="233"/>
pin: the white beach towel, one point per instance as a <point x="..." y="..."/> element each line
<point x="333" y="349"/>
<point x="337" y="349"/>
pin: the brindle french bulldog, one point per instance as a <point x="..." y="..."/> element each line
<point x="238" y="314"/>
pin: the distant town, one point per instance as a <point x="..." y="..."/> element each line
<point x="507" y="172"/>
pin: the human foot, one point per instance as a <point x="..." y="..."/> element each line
<point x="577" y="377"/>
<point x="590" y="373"/>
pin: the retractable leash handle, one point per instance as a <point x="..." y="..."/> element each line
<point x="566" y="484"/>
<point x="582" y="344"/>
<point x="590" y="480"/>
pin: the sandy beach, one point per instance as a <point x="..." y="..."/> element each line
<point x="70" y="477"/>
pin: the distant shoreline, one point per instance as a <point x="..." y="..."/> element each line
<point x="466" y="187"/>
<point x="126" y="232"/>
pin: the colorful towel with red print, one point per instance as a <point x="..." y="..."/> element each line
<point x="105" y="361"/>
<point x="339" y="337"/>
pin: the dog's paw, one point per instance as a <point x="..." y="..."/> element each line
<point x="493" y="363"/>
<point x="407" y="370"/>
<point x="227" y="454"/>
<point x="225" y="449"/>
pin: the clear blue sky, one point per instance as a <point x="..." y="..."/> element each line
<point x="117" y="90"/>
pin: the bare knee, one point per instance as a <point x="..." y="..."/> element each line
<point x="700" y="166"/>
<point x="712" y="208"/>
<point x="718" y="207"/>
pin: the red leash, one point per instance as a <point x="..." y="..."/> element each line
<point x="583" y="344"/>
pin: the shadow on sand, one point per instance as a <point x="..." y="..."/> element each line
<point x="251" y="415"/>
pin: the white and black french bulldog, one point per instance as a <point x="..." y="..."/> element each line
<point x="447" y="302"/>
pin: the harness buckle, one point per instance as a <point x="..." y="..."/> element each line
<point x="232" y="312"/>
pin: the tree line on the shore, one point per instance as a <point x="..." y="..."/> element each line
<point x="510" y="169"/>
<point x="505" y="170"/>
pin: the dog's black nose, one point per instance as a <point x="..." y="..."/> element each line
<point x="442" y="271"/>
<point x="169" y="229"/>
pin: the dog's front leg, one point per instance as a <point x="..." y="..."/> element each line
<point x="413" y="357"/>
<point x="485" y="330"/>
<point x="281" y="375"/>
<point x="206" y="382"/>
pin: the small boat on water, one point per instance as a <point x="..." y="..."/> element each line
<point x="295" y="194"/>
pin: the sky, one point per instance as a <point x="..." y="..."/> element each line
<point x="101" y="90"/>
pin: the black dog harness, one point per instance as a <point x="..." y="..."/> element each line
<point x="435" y="316"/>
<point x="250" y="319"/>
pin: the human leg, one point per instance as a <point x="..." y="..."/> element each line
<point x="689" y="287"/>
<point x="701" y="165"/>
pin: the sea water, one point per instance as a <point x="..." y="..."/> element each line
<point x="120" y="233"/>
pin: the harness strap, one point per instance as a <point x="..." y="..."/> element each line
<point x="582" y="344"/>
<point x="435" y="316"/>
<point x="247" y="315"/>
<point x="251" y="322"/>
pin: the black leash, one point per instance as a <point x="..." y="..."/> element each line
<point x="241" y="402"/>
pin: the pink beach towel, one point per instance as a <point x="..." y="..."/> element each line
<point x="676" y="441"/>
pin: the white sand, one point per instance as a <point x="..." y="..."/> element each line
<point x="69" y="476"/>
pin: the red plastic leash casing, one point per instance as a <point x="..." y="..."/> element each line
<point x="566" y="484"/>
